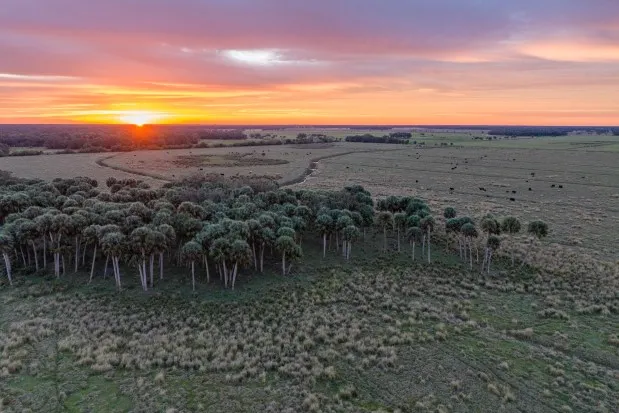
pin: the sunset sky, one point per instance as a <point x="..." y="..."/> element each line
<point x="549" y="62"/>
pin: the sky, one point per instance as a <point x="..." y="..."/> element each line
<point x="529" y="62"/>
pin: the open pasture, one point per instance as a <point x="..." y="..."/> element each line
<point x="284" y="163"/>
<point x="576" y="191"/>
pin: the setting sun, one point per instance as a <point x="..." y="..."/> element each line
<point x="141" y="118"/>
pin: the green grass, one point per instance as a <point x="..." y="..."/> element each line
<point x="378" y="332"/>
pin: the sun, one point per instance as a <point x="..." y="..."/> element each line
<point x="140" y="118"/>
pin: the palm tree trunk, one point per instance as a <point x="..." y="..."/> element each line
<point x="236" y="267"/>
<point x="429" y="260"/>
<point x="399" y="239"/>
<point x="324" y="245"/>
<point x="385" y="238"/>
<point x="141" y="275"/>
<point x="253" y="249"/>
<point x="413" y="253"/>
<point x="489" y="260"/>
<point x="92" y="267"/>
<point x="77" y="253"/>
<point x="349" y="248"/>
<point x="64" y="267"/>
<point x="161" y="265"/>
<point x="44" y="252"/>
<point x="193" y="276"/>
<point x="107" y="258"/>
<point x="23" y="257"/>
<point x="152" y="270"/>
<point x="208" y="272"/>
<point x="337" y="241"/>
<point x="483" y="264"/>
<point x="284" y="263"/>
<point x="423" y="245"/>
<point x="344" y="248"/>
<point x="471" y="253"/>
<point x="36" y="258"/>
<point x="262" y="259"/>
<point x="7" y="264"/>
<point x="116" y="271"/>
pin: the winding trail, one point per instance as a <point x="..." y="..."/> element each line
<point x="311" y="168"/>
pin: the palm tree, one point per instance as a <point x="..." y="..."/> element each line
<point x="7" y="244"/>
<point x="324" y="224"/>
<point x="385" y="220"/>
<point x="286" y="246"/>
<point x="413" y="234"/>
<point x="449" y="213"/>
<point x="454" y="226"/>
<point x="44" y="225"/>
<point x="511" y="225"/>
<point x="351" y="233"/>
<point x="536" y="229"/>
<point x="493" y="244"/>
<point x="469" y="232"/>
<point x="112" y="244"/>
<point x="156" y="243"/>
<point x="170" y="240"/>
<point x="241" y="254"/>
<point x="399" y="221"/>
<point x="61" y="225"/>
<point x="266" y="238"/>
<point x="221" y="251"/>
<point x="138" y="240"/>
<point x="192" y="252"/>
<point x="343" y="222"/>
<point x="427" y="225"/>
<point x="78" y="223"/>
<point x="90" y="235"/>
<point x="29" y="233"/>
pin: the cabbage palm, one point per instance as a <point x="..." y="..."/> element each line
<point x="350" y="234"/>
<point x="536" y="230"/>
<point x="399" y="221"/>
<point x="469" y="232"/>
<point x="240" y="254"/>
<point x="492" y="245"/>
<point x="511" y="226"/>
<point x="7" y="245"/>
<point x="427" y="225"/>
<point x="449" y="213"/>
<point x="192" y="252"/>
<point x="324" y="224"/>
<point x="287" y="247"/>
<point x="112" y="244"/>
<point x="413" y="235"/>
<point x="90" y="236"/>
<point x="385" y="220"/>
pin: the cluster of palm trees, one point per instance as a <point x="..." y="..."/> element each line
<point x="465" y="231"/>
<point x="221" y="227"/>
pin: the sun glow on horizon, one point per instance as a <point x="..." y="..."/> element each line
<point x="141" y="118"/>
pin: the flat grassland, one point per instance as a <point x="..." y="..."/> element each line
<point x="377" y="334"/>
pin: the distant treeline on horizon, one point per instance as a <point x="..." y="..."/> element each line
<point x="101" y="138"/>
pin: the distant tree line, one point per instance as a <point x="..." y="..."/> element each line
<point x="547" y="130"/>
<point x="66" y="139"/>
<point x="367" y="138"/>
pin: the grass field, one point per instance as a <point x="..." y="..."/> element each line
<point x="378" y="334"/>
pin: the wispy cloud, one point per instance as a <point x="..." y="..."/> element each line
<point x="400" y="61"/>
